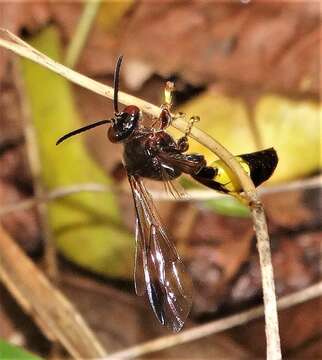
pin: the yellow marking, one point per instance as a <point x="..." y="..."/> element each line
<point x="226" y="177"/>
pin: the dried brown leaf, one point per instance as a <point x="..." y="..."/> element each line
<point x="23" y="225"/>
<point x="218" y="246"/>
<point x="18" y="15"/>
<point x="268" y="45"/>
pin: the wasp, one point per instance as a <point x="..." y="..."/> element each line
<point x="150" y="152"/>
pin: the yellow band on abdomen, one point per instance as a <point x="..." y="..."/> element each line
<point x="226" y="177"/>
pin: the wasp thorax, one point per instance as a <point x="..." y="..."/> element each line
<point x="124" y="123"/>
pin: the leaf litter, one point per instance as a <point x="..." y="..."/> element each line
<point x="260" y="47"/>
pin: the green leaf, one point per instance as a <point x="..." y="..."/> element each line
<point x="228" y="206"/>
<point x="87" y="226"/>
<point x="8" y="351"/>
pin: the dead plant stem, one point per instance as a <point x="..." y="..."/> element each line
<point x="193" y="195"/>
<point x="215" y="326"/>
<point x="49" y="308"/>
<point x="83" y="28"/>
<point x="270" y="308"/>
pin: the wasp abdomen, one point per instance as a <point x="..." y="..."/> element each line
<point x="261" y="164"/>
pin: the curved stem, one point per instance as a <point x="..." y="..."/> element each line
<point x="272" y="334"/>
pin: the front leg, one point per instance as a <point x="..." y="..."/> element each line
<point x="165" y="116"/>
<point x="183" y="142"/>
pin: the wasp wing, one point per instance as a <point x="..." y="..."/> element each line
<point x="188" y="163"/>
<point x="138" y="265"/>
<point x="172" y="186"/>
<point x="158" y="268"/>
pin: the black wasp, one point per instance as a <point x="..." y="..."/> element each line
<point x="152" y="153"/>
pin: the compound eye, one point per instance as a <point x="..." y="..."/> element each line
<point x="132" y="110"/>
<point x="125" y="123"/>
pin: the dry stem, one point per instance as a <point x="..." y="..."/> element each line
<point x="82" y="31"/>
<point x="271" y="319"/>
<point x="193" y="195"/>
<point x="215" y="326"/>
<point x="54" y="314"/>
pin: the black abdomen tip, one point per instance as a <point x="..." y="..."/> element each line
<point x="261" y="164"/>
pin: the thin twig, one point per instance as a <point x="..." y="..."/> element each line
<point x="250" y="195"/>
<point x="22" y="48"/>
<point x="192" y="195"/>
<point x="216" y="326"/>
<point x="302" y="184"/>
<point x="54" y="314"/>
<point x="52" y="195"/>
<point x="80" y="36"/>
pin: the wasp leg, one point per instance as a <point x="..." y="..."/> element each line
<point x="183" y="142"/>
<point x="165" y="116"/>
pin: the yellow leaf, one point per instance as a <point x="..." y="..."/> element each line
<point x="292" y="127"/>
<point x="87" y="226"/>
<point x="223" y="118"/>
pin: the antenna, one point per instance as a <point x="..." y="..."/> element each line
<point x="80" y="130"/>
<point x="116" y="82"/>
<point x="116" y="108"/>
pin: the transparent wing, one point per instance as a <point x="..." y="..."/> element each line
<point x="138" y="265"/>
<point x="172" y="187"/>
<point x="159" y="270"/>
<point x="187" y="163"/>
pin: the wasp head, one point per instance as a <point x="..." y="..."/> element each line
<point x="124" y="124"/>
